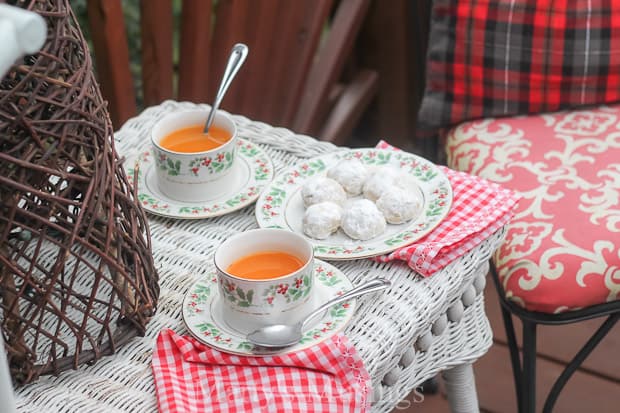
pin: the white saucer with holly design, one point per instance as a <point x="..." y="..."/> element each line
<point x="281" y="206"/>
<point x="202" y="313"/>
<point x="252" y="172"/>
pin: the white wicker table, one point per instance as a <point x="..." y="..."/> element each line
<point x="416" y="329"/>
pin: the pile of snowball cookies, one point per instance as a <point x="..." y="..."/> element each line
<point x="360" y="199"/>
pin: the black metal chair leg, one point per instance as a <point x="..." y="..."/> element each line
<point x="430" y="386"/>
<point x="528" y="377"/>
<point x="514" y="355"/>
<point x="574" y="364"/>
<point x="524" y="368"/>
<point x="511" y="338"/>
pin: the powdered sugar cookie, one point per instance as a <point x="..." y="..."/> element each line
<point x="399" y="205"/>
<point x="322" y="219"/>
<point x="351" y="174"/>
<point x="362" y="220"/>
<point x="321" y="189"/>
<point x="380" y="179"/>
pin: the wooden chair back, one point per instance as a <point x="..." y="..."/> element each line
<point x="292" y="76"/>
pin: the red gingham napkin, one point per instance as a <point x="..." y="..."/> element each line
<point x="479" y="208"/>
<point x="192" y="377"/>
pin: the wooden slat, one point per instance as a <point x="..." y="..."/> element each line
<point x="282" y="37"/>
<point x="247" y="32"/>
<point x="112" y="57"/>
<point x="324" y="74"/>
<point x="350" y="107"/>
<point x="388" y="48"/>
<point x="294" y="57"/>
<point x="194" y="50"/>
<point x="282" y="45"/>
<point x="156" y="35"/>
<point x="232" y="22"/>
<point x="562" y="342"/>
<point x="254" y="91"/>
<point x="302" y="44"/>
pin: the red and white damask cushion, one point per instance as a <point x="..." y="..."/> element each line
<point x="562" y="249"/>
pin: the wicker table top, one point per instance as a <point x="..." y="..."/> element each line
<point x="405" y="335"/>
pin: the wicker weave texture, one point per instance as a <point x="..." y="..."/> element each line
<point x="394" y="332"/>
<point x="77" y="277"/>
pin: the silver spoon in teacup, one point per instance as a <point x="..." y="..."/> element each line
<point x="237" y="56"/>
<point x="285" y="335"/>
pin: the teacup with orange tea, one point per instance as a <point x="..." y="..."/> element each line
<point x="191" y="165"/>
<point x="265" y="276"/>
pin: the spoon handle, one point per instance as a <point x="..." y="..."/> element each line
<point x="374" y="285"/>
<point x="237" y="56"/>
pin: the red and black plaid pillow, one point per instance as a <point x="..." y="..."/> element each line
<point x="489" y="58"/>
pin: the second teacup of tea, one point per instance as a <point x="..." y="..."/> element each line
<point x="192" y="166"/>
<point x="265" y="276"/>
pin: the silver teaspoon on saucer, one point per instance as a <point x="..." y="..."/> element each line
<point x="285" y="335"/>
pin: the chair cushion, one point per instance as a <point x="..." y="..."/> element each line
<point x="562" y="247"/>
<point x="496" y="57"/>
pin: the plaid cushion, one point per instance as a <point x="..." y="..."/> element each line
<point x="489" y="58"/>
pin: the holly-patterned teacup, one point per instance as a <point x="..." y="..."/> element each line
<point x="197" y="175"/>
<point x="250" y="303"/>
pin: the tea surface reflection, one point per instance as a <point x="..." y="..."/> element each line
<point x="265" y="265"/>
<point x="192" y="139"/>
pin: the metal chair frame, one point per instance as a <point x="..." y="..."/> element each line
<point x="524" y="367"/>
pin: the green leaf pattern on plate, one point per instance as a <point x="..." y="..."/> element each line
<point x="403" y="237"/>
<point x="262" y="169"/>
<point x="337" y="312"/>
<point x="241" y="198"/>
<point x="154" y="204"/>
<point x="438" y="204"/>
<point x="211" y="330"/>
<point x="304" y="171"/>
<point x="273" y="201"/>
<point x="245" y="345"/>
<point x="370" y="157"/>
<point x="333" y="249"/>
<point x="131" y="169"/>
<point x="198" y="296"/>
<point x="247" y="149"/>
<point x="421" y="169"/>
<point x="326" y="276"/>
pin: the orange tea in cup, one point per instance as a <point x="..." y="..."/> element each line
<point x="192" y="139"/>
<point x="265" y="265"/>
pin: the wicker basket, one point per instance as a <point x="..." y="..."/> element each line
<point x="77" y="278"/>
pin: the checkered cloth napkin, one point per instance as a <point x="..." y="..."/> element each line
<point x="192" y="377"/>
<point x="479" y="208"/>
